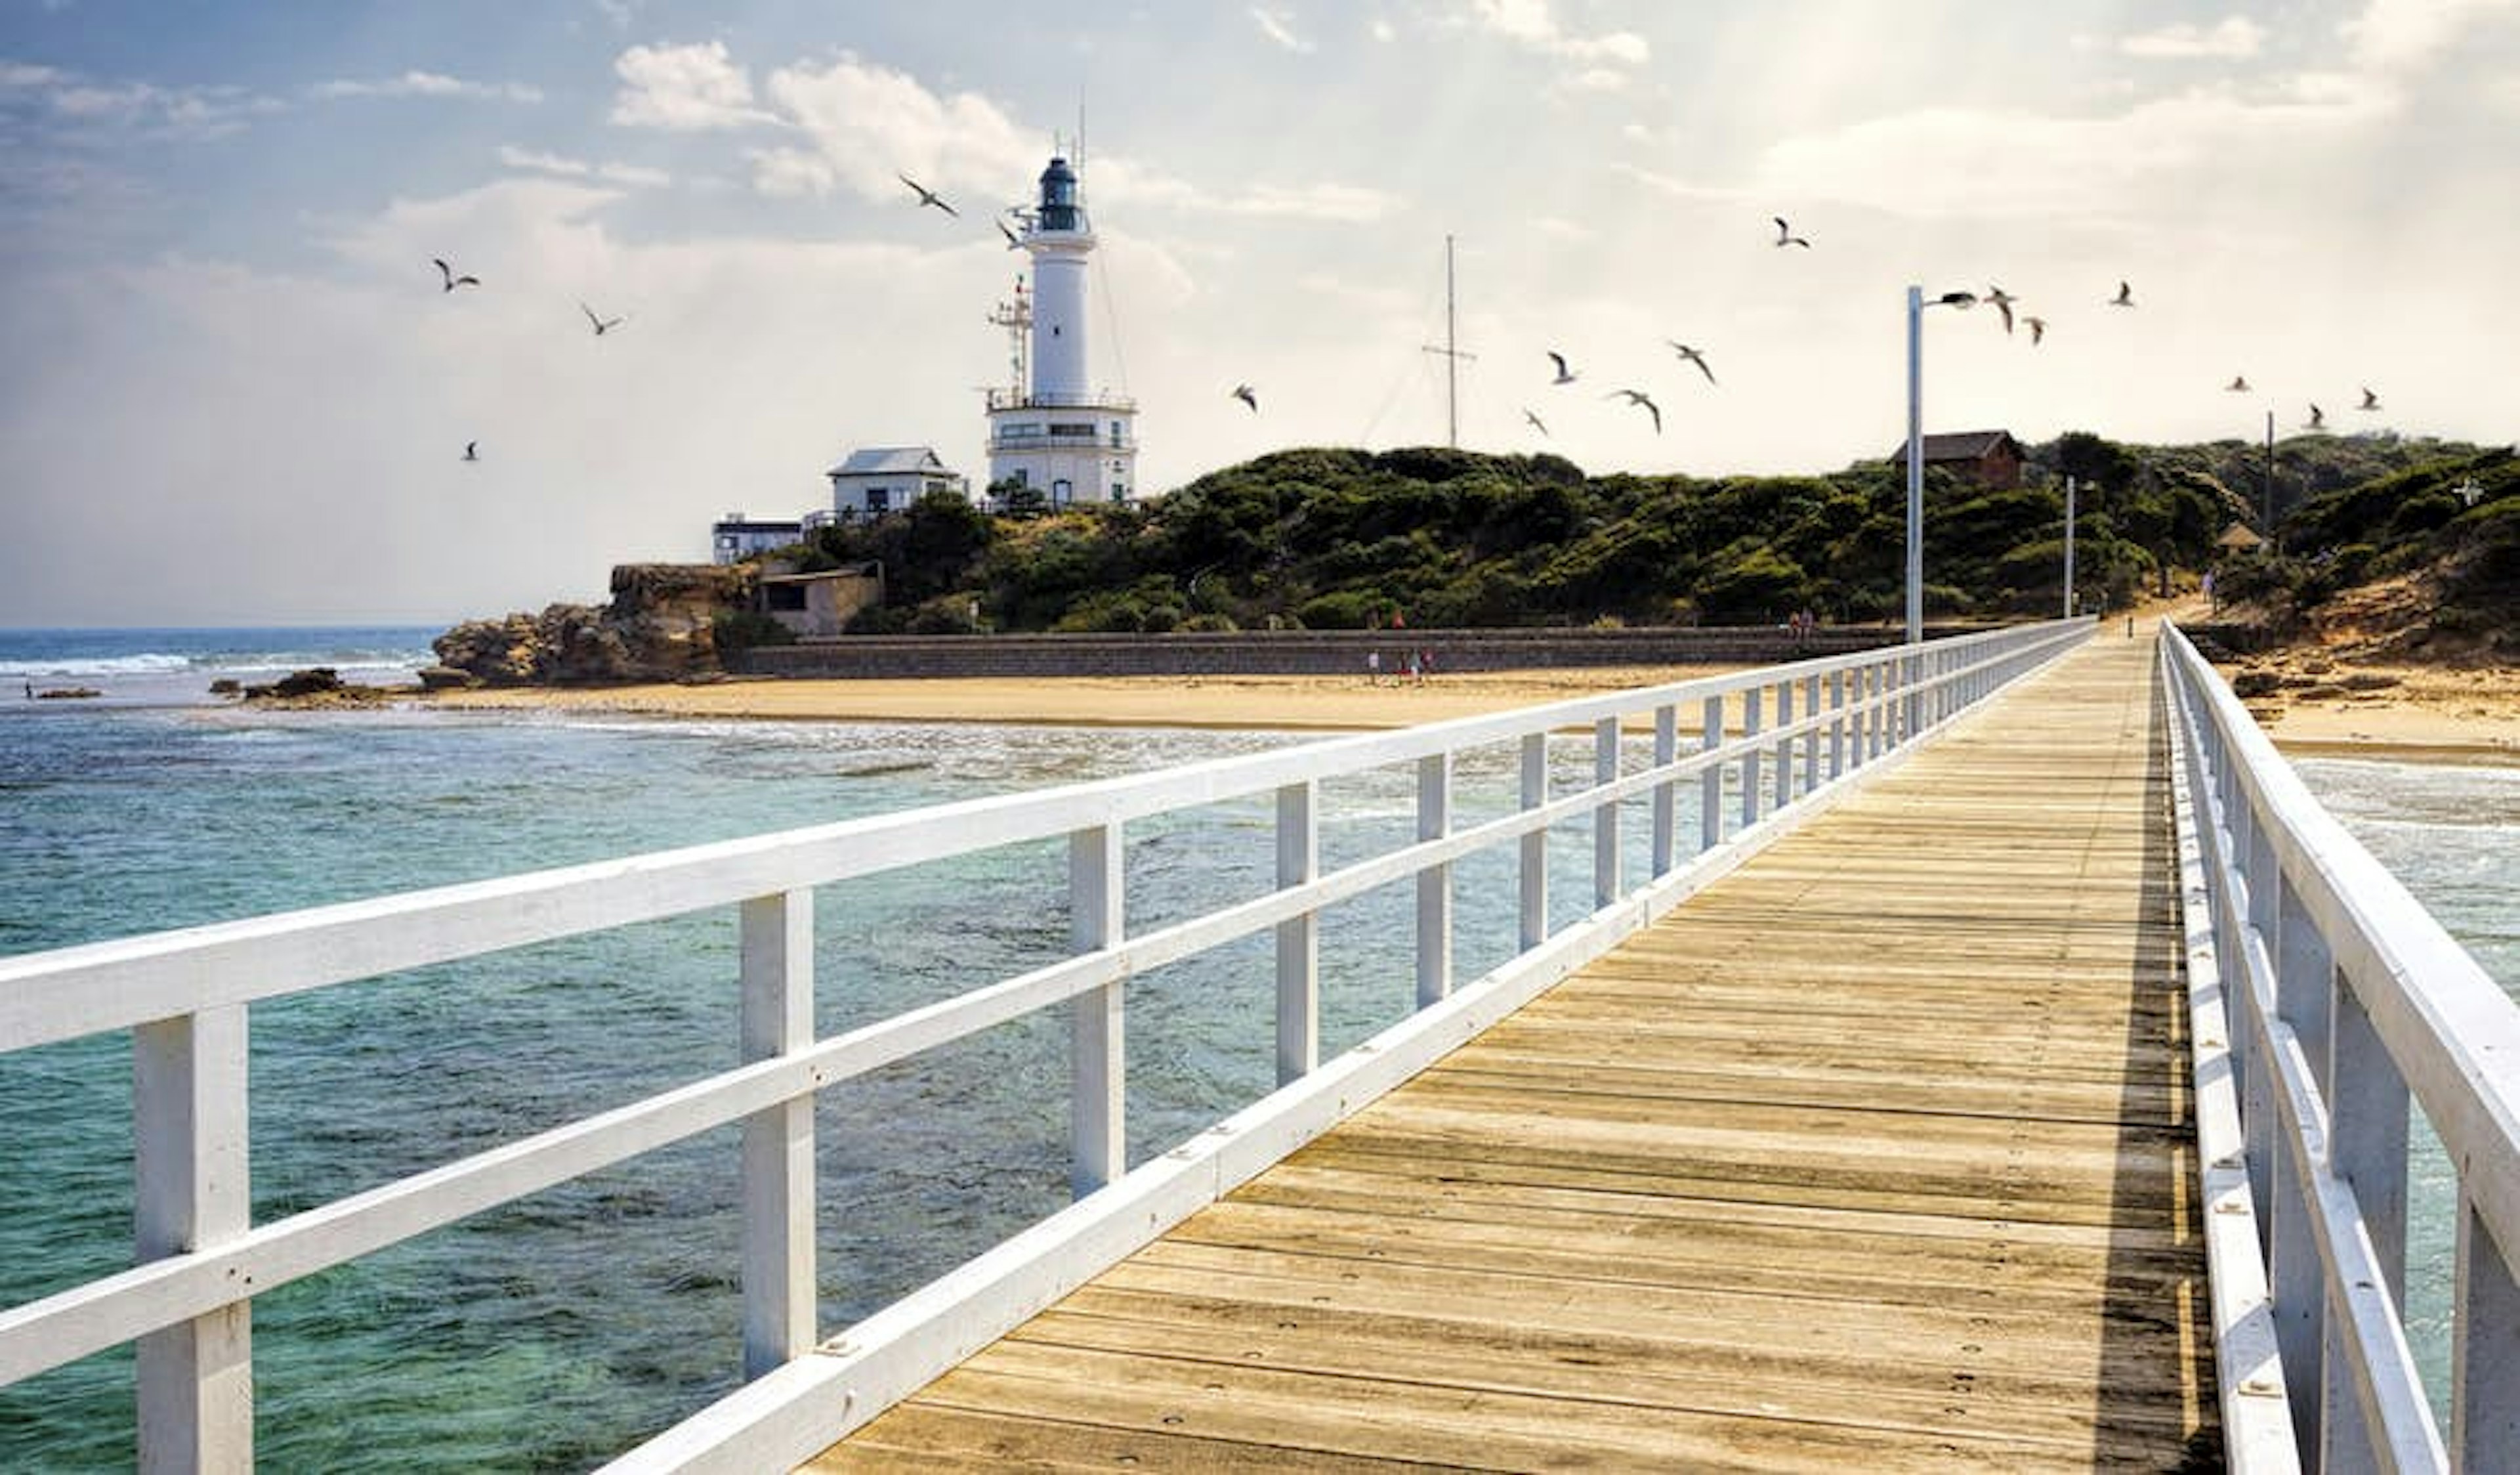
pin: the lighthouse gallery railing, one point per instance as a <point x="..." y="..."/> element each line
<point x="1804" y="730"/>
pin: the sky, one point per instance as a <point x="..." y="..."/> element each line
<point x="235" y="392"/>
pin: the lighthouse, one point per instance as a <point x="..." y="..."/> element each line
<point x="1059" y="434"/>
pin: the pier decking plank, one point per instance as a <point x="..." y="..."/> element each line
<point x="1874" y="1155"/>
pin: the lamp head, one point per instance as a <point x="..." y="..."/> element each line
<point x="1957" y="299"/>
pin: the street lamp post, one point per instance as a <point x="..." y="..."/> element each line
<point x="1917" y="306"/>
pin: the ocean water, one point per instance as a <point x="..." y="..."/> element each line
<point x="555" y="1332"/>
<point x="558" y="1331"/>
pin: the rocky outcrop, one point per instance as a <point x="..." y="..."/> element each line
<point x="661" y="625"/>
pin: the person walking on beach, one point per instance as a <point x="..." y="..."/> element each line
<point x="1373" y="667"/>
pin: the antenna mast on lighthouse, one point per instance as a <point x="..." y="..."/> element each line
<point x="1016" y="318"/>
<point x="1453" y="356"/>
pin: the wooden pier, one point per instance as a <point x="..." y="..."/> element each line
<point x="1877" y="1154"/>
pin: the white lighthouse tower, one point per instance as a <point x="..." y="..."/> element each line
<point x="1059" y="436"/>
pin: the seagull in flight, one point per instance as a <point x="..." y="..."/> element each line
<point x="2003" y="301"/>
<point x="1565" y="375"/>
<point x="1247" y="395"/>
<point x="2124" y="296"/>
<point x="2318" y="419"/>
<point x="471" y="450"/>
<point x="1785" y="234"/>
<point x="2239" y="385"/>
<point x="927" y="196"/>
<point x="602" y="325"/>
<point x="1535" y="422"/>
<point x="1637" y="396"/>
<point x="2038" y="329"/>
<point x="1691" y="355"/>
<point x="446" y="274"/>
<point x="2370" y="401"/>
<point x="1014" y="241"/>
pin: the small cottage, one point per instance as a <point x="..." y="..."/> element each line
<point x="818" y="606"/>
<point x="1989" y="458"/>
<point x="734" y="538"/>
<point x="884" y="479"/>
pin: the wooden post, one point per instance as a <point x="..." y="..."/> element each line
<point x="1666" y="800"/>
<point x="778" y="1018"/>
<point x="1299" y="977"/>
<point x="192" y="1192"/>
<point x="1606" y="815"/>
<point x="2485" y="1353"/>
<point x="1784" y="744"/>
<point x="1751" y="727"/>
<point x="1533" y="907"/>
<point x="1096" y="1111"/>
<point x="1811" y="740"/>
<point x="1435" y="882"/>
<point x="1710" y="782"/>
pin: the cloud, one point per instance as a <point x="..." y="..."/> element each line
<point x="428" y="84"/>
<point x="2233" y="38"/>
<point x="1534" y="25"/>
<point x="202" y="112"/>
<point x="865" y="124"/>
<point x="683" y="89"/>
<point x="1274" y="24"/>
<point x="636" y="176"/>
<point x="2393" y="36"/>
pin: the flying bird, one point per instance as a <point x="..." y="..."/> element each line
<point x="2003" y="301"/>
<point x="2124" y="296"/>
<point x="602" y="325"/>
<point x="1691" y="355"/>
<point x="1014" y="241"/>
<point x="471" y="450"/>
<point x="1565" y="375"/>
<point x="2038" y="329"/>
<point x="927" y="196"/>
<point x="2239" y="385"/>
<point x="1785" y="234"/>
<point x="447" y="275"/>
<point x="1535" y="422"/>
<point x="2318" y="419"/>
<point x="2370" y="401"/>
<point x="1637" y="396"/>
<point x="1247" y="395"/>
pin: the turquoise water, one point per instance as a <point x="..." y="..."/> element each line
<point x="555" y="1332"/>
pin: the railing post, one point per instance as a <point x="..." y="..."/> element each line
<point x="1710" y="779"/>
<point x="1435" y="882"/>
<point x="1606" y="815"/>
<point x="1666" y="799"/>
<point x="2296" y="1287"/>
<point x="2306" y="981"/>
<point x="1784" y="744"/>
<point x="1533" y="900"/>
<point x="1837" y="723"/>
<point x="1811" y="740"/>
<point x="2366" y="1133"/>
<point x="1877" y="720"/>
<point x="2485" y="1353"/>
<point x="190" y="1158"/>
<point x="1097" y="1121"/>
<point x="1751" y="727"/>
<point x="1299" y="974"/>
<point x="777" y="947"/>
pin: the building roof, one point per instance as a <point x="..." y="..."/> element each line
<point x="1958" y="445"/>
<point x="889" y="461"/>
<point x="2240" y="536"/>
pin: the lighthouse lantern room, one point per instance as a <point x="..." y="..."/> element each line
<point x="1058" y="436"/>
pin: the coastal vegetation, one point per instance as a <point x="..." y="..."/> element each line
<point x="1343" y="538"/>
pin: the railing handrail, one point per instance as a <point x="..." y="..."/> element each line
<point x="181" y="992"/>
<point x="2346" y="1000"/>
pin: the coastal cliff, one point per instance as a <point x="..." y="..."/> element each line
<point x="661" y="626"/>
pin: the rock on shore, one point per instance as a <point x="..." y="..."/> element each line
<point x="661" y="625"/>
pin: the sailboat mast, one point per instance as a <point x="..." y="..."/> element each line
<point x="1452" y="358"/>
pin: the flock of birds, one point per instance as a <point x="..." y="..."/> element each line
<point x="449" y="280"/>
<point x="1564" y="373"/>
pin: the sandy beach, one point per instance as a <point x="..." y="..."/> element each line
<point x="1242" y="702"/>
<point x="2425" y="714"/>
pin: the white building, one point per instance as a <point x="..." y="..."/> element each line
<point x="736" y="538"/>
<point x="1059" y="434"/>
<point x="882" y="479"/>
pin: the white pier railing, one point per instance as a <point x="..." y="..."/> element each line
<point x="2326" y="1000"/>
<point x="1779" y="743"/>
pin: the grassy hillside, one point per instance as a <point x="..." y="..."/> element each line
<point x="1336" y="538"/>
